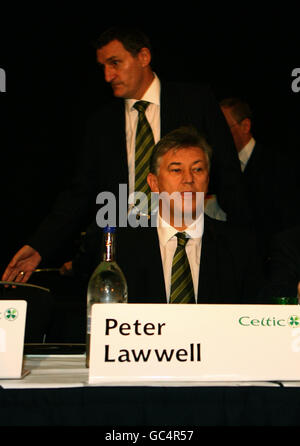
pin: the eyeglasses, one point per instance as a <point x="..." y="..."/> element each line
<point x="237" y="123"/>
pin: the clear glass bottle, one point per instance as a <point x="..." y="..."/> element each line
<point x="107" y="283"/>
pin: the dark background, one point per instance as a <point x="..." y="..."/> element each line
<point x="53" y="83"/>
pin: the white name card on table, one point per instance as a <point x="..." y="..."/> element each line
<point x="161" y="342"/>
<point x="12" y="332"/>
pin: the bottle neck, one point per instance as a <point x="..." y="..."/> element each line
<point x="109" y="247"/>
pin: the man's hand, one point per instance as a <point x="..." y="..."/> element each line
<point x="22" y="265"/>
<point x="66" y="269"/>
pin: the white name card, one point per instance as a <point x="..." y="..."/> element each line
<point x="12" y="331"/>
<point x="161" y="342"/>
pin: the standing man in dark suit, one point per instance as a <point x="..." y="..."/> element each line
<point x="108" y="157"/>
<point x="266" y="175"/>
<point x="223" y="263"/>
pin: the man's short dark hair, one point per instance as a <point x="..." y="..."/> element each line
<point x="132" y="39"/>
<point x="239" y="108"/>
<point x="180" y="138"/>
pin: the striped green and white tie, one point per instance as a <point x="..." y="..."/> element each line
<point x="182" y="289"/>
<point x="144" y="144"/>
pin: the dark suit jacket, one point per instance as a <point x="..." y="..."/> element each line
<point x="283" y="272"/>
<point x="270" y="192"/>
<point x="230" y="269"/>
<point x="104" y="162"/>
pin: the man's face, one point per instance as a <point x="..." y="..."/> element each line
<point x="184" y="171"/>
<point x="235" y="127"/>
<point x="124" y="72"/>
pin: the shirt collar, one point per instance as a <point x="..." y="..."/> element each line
<point x="166" y="231"/>
<point x="152" y="95"/>
<point x="246" y="152"/>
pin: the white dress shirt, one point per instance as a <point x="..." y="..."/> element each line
<point x="152" y="95"/>
<point x="245" y="153"/>
<point x="168" y="245"/>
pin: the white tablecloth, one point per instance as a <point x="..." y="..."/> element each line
<point x="51" y="371"/>
<point x="61" y="371"/>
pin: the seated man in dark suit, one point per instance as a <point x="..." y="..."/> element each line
<point x="219" y="260"/>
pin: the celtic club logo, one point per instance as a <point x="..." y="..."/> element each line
<point x="294" y="321"/>
<point x="11" y="314"/>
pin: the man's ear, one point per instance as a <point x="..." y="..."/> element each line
<point x="246" y="125"/>
<point x="144" y="57"/>
<point x="153" y="182"/>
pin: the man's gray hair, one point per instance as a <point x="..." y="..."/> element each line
<point x="180" y="138"/>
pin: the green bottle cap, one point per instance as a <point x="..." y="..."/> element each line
<point x="285" y="300"/>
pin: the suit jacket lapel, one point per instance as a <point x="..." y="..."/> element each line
<point x="120" y="139"/>
<point x="207" y="287"/>
<point x="157" y="284"/>
<point x="254" y="162"/>
<point x="145" y="271"/>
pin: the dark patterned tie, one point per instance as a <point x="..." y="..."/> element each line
<point x="144" y="144"/>
<point x="182" y="289"/>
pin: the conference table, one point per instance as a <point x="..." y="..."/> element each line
<point x="56" y="392"/>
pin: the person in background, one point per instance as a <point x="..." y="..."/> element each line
<point x="221" y="261"/>
<point x="266" y="175"/>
